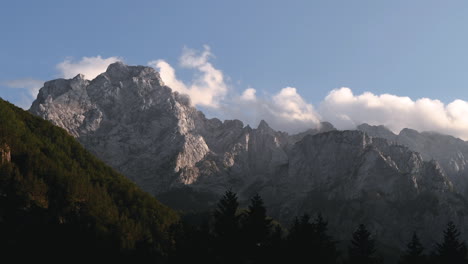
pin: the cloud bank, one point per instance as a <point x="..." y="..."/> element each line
<point x="287" y="110"/>
<point x="346" y="110"/>
<point x="284" y="110"/>
<point x="90" y="67"/>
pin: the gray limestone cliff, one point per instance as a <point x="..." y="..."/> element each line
<point x="449" y="152"/>
<point x="128" y="118"/>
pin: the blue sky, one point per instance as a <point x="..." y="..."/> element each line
<point x="412" y="48"/>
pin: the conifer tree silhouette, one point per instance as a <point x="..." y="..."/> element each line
<point x="226" y="228"/>
<point x="451" y="250"/>
<point x="414" y="253"/>
<point x="299" y="239"/>
<point x="323" y="246"/>
<point x="256" y="224"/>
<point x="256" y="229"/>
<point x="362" y="249"/>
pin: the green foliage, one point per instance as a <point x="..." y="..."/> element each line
<point x="53" y="184"/>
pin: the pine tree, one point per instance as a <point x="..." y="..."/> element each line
<point x="362" y="247"/>
<point x="226" y="228"/>
<point x="256" y="224"/>
<point x="310" y="240"/>
<point x="275" y="248"/>
<point x="324" y="248"/>
<point x="414" y="253"/>
<point x="256" y="229"/>
<point x="451" y="250"/>
<point x="225" y="215"/>
<point x="299" y="239"/>
<point x="301" y="232"/>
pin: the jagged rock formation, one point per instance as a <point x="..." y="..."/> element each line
<point x="449" y="152"/>
<point x="132" y="121"/>
<point x="5" y="154"/>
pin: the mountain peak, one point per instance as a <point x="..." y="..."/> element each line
<point x="120" y="71"/>
<point x="264" y="127"/>
<point x="79" y="76"/>
<point x="377" y="131"/>
<point x="326" y="126"/>
<point x="408" y="132"/>
<point x="116" y="66"/>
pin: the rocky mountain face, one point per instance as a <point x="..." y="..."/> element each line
<point x="128" y="118"/>
<point x="449" y="152"/>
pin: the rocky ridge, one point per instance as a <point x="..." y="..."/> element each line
<point x="449" y="152"/>
<point x="133" y="122"/>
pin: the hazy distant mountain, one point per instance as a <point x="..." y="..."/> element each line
<point x="450" y="152"/>
<point x="132" y="121"/>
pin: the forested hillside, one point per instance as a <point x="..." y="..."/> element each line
<point x="55" y="197"/>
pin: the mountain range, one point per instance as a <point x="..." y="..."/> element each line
<point x="395" y="184"/>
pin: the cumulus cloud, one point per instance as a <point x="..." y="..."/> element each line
<point x="90" y="67"/>
<point x="286" y="110"/>
<point x="292" y="106"/>
<point x="208" y="86"/>
<point x="346" y="110"/>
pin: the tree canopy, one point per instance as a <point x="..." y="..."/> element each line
<point x="55" y="195"/>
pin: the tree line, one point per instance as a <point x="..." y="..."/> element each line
<point x="250" y="236"/>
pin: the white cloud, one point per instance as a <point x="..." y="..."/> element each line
<point x="346" y="110"/>
<point x="292" y="106"/>
<point x="249" y="94"/>
<point x="288" y="111"/>
<point x="207" y="88"/>
<point x="285" y="110"/>
<point x="90" y="67"/>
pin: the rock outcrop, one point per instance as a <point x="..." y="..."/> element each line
<point x="5" y="154"/>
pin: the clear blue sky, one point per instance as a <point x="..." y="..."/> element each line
<point x="416" y="48"/>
